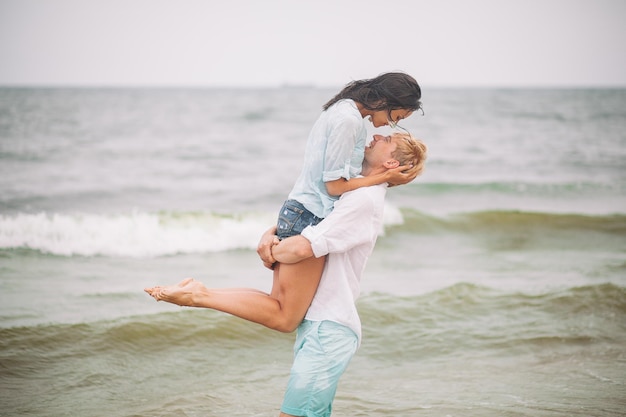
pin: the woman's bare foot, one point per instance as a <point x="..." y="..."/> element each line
<point x="180" y="294"/>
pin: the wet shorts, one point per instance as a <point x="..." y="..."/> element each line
<point x="293" y="219"/>
<point x="322" y="351"/>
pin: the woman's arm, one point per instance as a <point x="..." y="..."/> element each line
<point x="392" y="176"/>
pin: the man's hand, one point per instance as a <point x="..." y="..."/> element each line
<point x="264" y="248"/>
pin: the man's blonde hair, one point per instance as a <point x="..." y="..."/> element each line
<point x="409" y="151"/>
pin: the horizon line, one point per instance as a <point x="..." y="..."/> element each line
<point x="299" y="86"/>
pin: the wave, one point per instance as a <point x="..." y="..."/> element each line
<point x="461" y="336"/>
<point x="138" y="334"/>
<point x="142" y="234"/>
<point x="472" y="318"/>
<point x="516" y="187"/>
<point x="137" y="234"/>
<point x="512" y="221"/>
<point x="482" y="316"/>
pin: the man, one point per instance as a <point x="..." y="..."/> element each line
<point x="331" y="330"/>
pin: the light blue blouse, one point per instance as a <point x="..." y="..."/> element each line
<point x="335" y="149"/>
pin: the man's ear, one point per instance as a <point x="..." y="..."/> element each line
<point x="392" y="163"/>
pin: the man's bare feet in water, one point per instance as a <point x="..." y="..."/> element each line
<point x="180" y="294"/>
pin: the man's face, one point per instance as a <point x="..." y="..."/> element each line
<point x="379" y="150"/>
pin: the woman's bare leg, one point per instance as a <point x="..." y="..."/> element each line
<point x="293" y="289"/>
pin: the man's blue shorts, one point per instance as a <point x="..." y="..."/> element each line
<point x="322" y="351"/>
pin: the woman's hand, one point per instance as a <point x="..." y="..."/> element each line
<point x="396" y="176"/>
<point x="264" y="248"/>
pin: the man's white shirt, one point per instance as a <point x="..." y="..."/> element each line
<point x="347" y="236"/>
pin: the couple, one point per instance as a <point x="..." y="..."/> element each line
<point x="322" y="309"/>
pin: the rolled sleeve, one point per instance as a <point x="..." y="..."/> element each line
<point x="345" y="172"/>
<point x="344" y="134"/>
<point x="318" y="243"/>
<point x="347" y="226"/>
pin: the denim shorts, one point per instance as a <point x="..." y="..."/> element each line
<point x="293" y="219"/>
<point x="323" y="350"/>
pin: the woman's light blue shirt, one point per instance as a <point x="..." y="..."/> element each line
<point x="334" y="149"/>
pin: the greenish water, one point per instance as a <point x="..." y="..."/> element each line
<point x="498" y="288"/>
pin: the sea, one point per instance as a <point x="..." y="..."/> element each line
<point x="498" y="288"/>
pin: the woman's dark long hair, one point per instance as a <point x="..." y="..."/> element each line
<point x="389" y="91"/>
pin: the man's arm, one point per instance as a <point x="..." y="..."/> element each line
<point x="289" y="251"/>
<point x="292" y="250"/>
<point x="264" y="248"/>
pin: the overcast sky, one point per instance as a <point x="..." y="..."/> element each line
<point x="319" y="42"/>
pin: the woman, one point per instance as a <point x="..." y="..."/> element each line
<point x="336" y="143"/>
<point x="333" y="157"/>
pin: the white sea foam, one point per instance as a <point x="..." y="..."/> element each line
<point x="135" y="235"/>
<point x="139" y="234"/>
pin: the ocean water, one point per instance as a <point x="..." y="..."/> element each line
<point x="497" y="289"/>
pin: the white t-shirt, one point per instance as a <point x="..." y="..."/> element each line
<point x="334" y="149"/>
<point x="347" y="236"/>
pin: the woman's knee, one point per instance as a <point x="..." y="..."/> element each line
<point x="287" y="326"/>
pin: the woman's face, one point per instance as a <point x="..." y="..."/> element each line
<point x="389" y="118"/>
